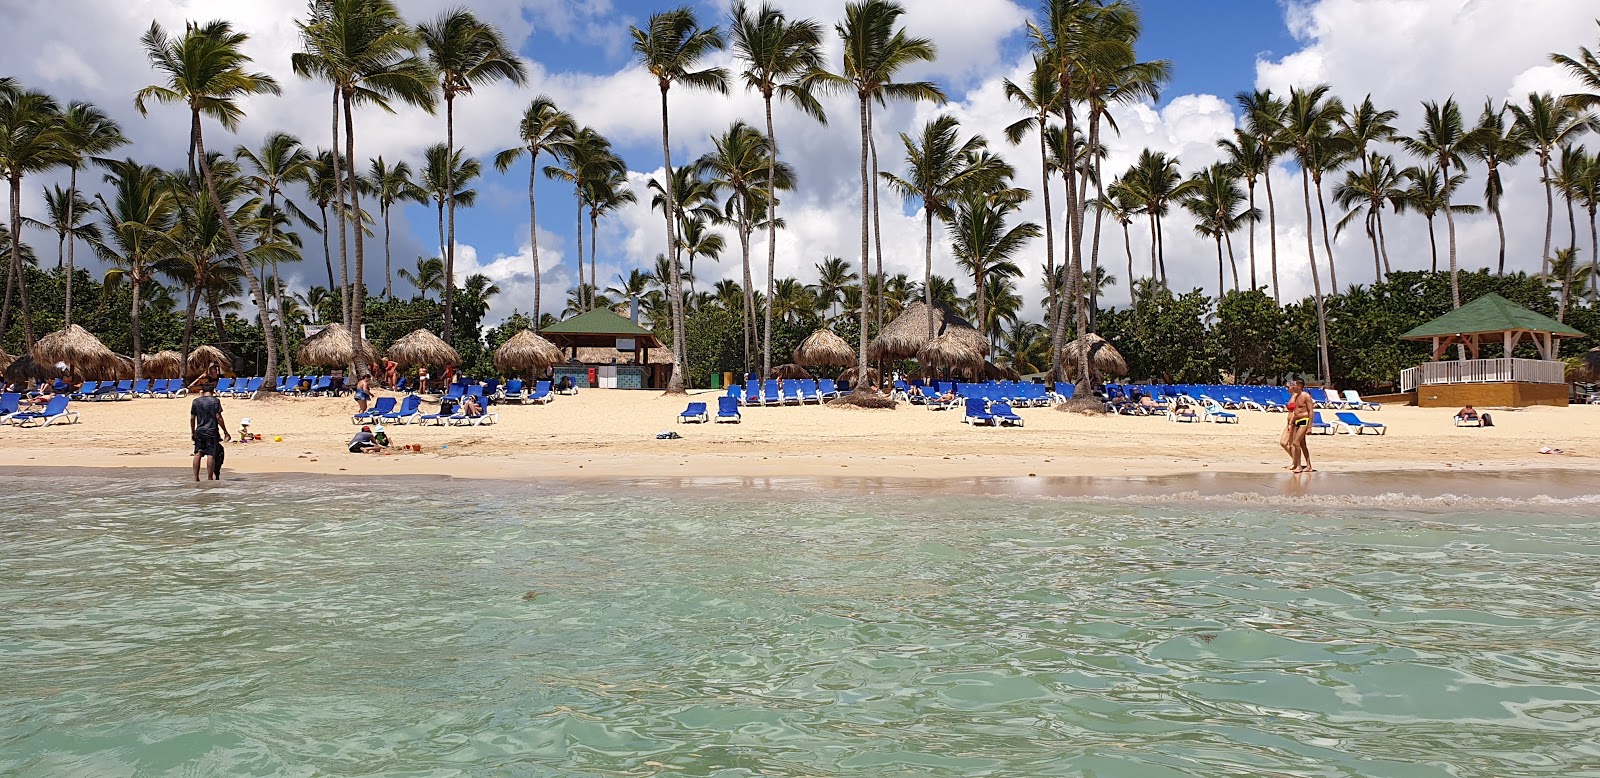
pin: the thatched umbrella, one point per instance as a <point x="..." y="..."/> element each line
<point x="849" y="377"/>
<point x="952" y="353"/>
<point x="162" y="364"/>
<point x="422" y="347"/>
<point x="1583" y="368"/>
<point x="5" y="360"/>
<point x="824" y="348"/>
<point x="83" y="352"/>
<point x="203" y="357"/>
<point x="526" y="353"/>
<point x="1104" y="359"/>
<point x="789" y="371"/>
<point x="23" y="368"/>
<point x="994" y="372"/>
<point x="331" y="348"/>
<point x="908" y="333"/>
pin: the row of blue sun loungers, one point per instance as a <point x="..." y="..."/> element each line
<point x="408" y="410"/>
<point x="727" y="411"/>
<point x="1271" y="399"/>
<point x="788" y="392"/>
<point x="54" y="412"/>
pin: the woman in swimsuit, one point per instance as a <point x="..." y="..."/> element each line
<point x="1300" y="406"/>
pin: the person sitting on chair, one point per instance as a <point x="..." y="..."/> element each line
<point x="1468" y="413"/>
<point x="470" y="407"/>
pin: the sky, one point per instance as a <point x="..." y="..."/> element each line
<point x="1400" y="51"/>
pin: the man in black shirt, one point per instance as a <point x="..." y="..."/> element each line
<point x="208" y="430"/>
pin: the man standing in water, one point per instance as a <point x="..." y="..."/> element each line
<point x="208" y="430"/>
<point x="1299" y="427"/>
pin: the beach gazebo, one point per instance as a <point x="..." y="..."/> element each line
<point x="526" y="354"/>
<point x="331" y="348"/>
<point x="824" y="348"/>
<point x="1104" y="358"/>
<point x="79" y="350"/>
<point x="613" y="336"/>
<point x="423" y="348"/>
<point x="1491" y="321"/>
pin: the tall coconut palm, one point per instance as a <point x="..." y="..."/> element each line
<point x="1568" y="170"/>
<point x="631" y="287"/>
<point x="1429" y="194"/>
<point x="1263" y="120"/>
<point x="1586" y="68"/>
<point x="1568" y="272"/>
<point x="280" y="161"/>
<point x="67" y="215"/>
<point x="1244" y="155"/>
<point x="833" y="277"/>
<point x="465" y="53"/>
<point x="1121" y="202"/>
<point x="392" y="185"/>
<point x="205" y="70"/>
<point x="1041" y="99"/>
<point x="31" y="141"/>
<point x="985" y="245"/>
<point x="670" y="48"/>
<point x="544" y="127"/>
<point x="440" y="170"/>
<point x="1155" y="180"/>
<point x="583" y="156"/>
<point x="1496" y="142"/>
<point x="429" y="276"/>
<point x="1214" y="197"/>
<point x="137" y="220"/>
<point x="1364" y="193"/>
<point x="1547" y="122"/>
<point x="777" y="53"/>
<point x="606" y="193"/>
<point x="1442" y="139"/>
<point x="322" y="184"/>
<point x="1586" y="189"/>
<point x="739" y="164"/>
<point x="1306" y="122"/>
<point x="86" y="132"/>
<point x="1330" y="151"/>
<point x="695" y="202"/>
<point x="200" y="258"/>
<point x="939" y="167"/>
<point x="875" y="49"/>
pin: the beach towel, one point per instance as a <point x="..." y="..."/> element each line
<point x="668" y="435"/>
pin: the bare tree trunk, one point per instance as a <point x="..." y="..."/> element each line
<point x="1316" y="281"/>
<point x="450" y="197"/>
<point x="772" y="238"/>
<point x="866" y="256"/>
<point x="1051" y="292"/>
<point x="270" y="382"/>
<point x="680" y="367"/>
<point x="1272" y="232"/>
<point x="1253" y="284"/>
<point x="533" y="238"/>
<point x="358" y="291"/>
<point x="72" y="200"/>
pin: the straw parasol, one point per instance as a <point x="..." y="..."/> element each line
<point x="331" y="348"/>
<point x="994" y="372"/>
<point x="1104" y="358"/>
<point x="162" y="364"/>
<point x="1585" y="367"/>
<point x="83" y="352"/>
<point x="5" y="360"/>
<point x="422" y="347"/>
<point x="204" y="356"/>
<point x="908" y="333"/>
<point x="789" y="371"/>
<point x="23" y="368"/>
<point x="849" y="376"/>
<point x="952" y="352"/>
<point x="526" y="352"/>
<point x="824" y="348"/>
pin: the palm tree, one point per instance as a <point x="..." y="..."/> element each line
<point x="1429" y="194"/>
<point x="1568" y="172"/>
<point x="428" y="278"/>
<point x="739" y="163"/>
<point x="793" y="301"/>
<point x="1306" y="120"/>
<point x="670" y="47"/>
<point x="1263" y="119"/>
<point x="1121" y="202"/>
<point x="465" y="53"/>
<point x="585" y="155"/>
<point x="985" y="246"/>
<point x="67" y="214"/>
<point x="1154" y="179"/>
<point x="1586" y="189"/>
<point x="874" y="51"/>
<point x="1329" y="152"/>
<point x="86" y="132"/>
<point x="1364" y="194"/>
<point x="631" y="287"/>
<point x="31" y="141"/>
<point x="392" y="184"/>
<point x="200" y="248"/>
<point x="698" y="240"/>
<point x="940" y="168"/>
<point x="1214" y="197"/>
<point x="1567" y="272"/>
<point x="1546" y="123"/>
<point x="1442" y="139"/>
<point x="607" y="192"/>
<point x="1496" y="143"/>
<point x="280" y="161"/>
<point x="544" y="127"/>
<point x="137" y="220"/>
<point x="441" y="168"/>
<point x="322" y="183"/>
<point x="205" y="70"/>
<point x="1586" y="68"/>
<point x="833" y="277"/>
<point x="695" y="201"/>
<point x="1041" y="99"/>
<point x="777" y="53"/>
<point x="1244" y="154"/>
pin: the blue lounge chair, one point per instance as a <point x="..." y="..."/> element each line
<point x="379" y="407"/>
<point x="827" y="389"/>
<point x="1004" y="415"/>
<point x="1353" y="401"/>
<point x="512" y="391"/>
<point x="461" y="419"/>
<point x="977" y="413"/>
<point x="141" y="388"/>
<point x="791" y="393"/>
<point x="809" y="393"/>
<point x="696" y="412"/>
<point x="541" y="393"/>
<point x="54" y="412"/>
<point x="10" y="403"/>
<point x="1215" y="413"/>
<point x="410" y="408"/>
<point x="224" y="386"/>
<point x="1320" y="427"/>
<point x="728" y="410"/>
<point x="86" y="391"/>
<point x="1353" y="424"/>
<point x="770" y="393"/>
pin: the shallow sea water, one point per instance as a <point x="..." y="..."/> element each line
<point x="435" y="628"/>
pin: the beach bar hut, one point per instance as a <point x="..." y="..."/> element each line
<point x="634" y="353"/>
<point x="1503" y="381"/>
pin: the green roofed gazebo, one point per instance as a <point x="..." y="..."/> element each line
<point x="1490" y="320"/>
<point x="603" y="328"/>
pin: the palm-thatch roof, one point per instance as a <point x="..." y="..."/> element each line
<point x="203" y="357"/>
<point x="331" y="348"/>
<point x="5" y="360"/>
<point x="81" y="351"/>
<point x="1585" y="367"/>
<point x="23" y="368"/>
<point x="952" y="352"/>
<point x="849" y="376"/>
<point x="1104" y="359"/>
<point x="789" y="371"/>
<point x="526" y="352"/>
<point x="824" y="348"/>
<point x="422" y="347"/>
<point x="908" y="333"/>
<point x="600" y="355"/>
<point x="994" y="372"/>
<point x="162" y="364"/>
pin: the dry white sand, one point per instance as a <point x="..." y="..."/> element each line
<point x="611" y="434"/>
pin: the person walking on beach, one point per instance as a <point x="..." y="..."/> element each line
<point x="363" y="393"/>
<point x="208" y="429"/>
<point x="1299" y="427"/>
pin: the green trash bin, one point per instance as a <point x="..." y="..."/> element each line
<point x="716" y="381"/>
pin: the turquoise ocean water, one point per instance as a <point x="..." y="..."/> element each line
<point x="418" y="627"/>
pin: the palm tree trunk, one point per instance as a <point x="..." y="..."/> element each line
<point x="1127" y="247"/>
<point x="1383" y="244"/>
<point x="533" y="237"/>
<point x="1450" y="229"/>
<point x="133" y="324"/>
<point x="271" y="378"/>
<point x="340" y="214"/>
<point x="877" y="224"/>
<point x="1572" y="223"/>
<point x="1253" y="285"/>
<point x="1500" y="225"/>
<point x="1161" y="250"/>
<point x="1074" y="248"/>
<point x="214" y="307"/>
<point x="978" y="280"/>
<point x="772" y="237"/>
<point x="450" y="197"/>
<point x="1094" y="256"/>
<point x="1549" y="209"/>
<point x="283" y="323"/>
<point x="17" y="277"/>
<point x="1316" y="281"/>
<point x="358" y="292"/>
<point x="1227" y="237"/>
<point x="585" y="300"/>
<point x="188" y="332"/>
<point x="1327" y="245"/>
<point x="866" y="208"/>
<point x="1272" y="232"/>
<point x="927" y="265"/>
<point x="388" y="275"/>
<point x="1594" y="247"/>
<point x="1433" y="245"/>
<point x="1372" y="235"/>
<point x="72" y="197"/>
<point x="1153" y="267"/>
<point x="1051" y="292"/>
<point x="680" y="367"/>
<point x="749" y="300"/>
<point x="439" y="202"/>
<point x="327" y="253"/>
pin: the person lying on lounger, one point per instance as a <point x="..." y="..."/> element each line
<point x="470" y="407"/>
<point x="1468" y="413"/>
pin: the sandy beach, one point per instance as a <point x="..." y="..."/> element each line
<point x="611" y="434"/>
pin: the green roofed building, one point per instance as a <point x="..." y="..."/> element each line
<point x="1489" y="321"/>
<point x="609" y="351"/>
